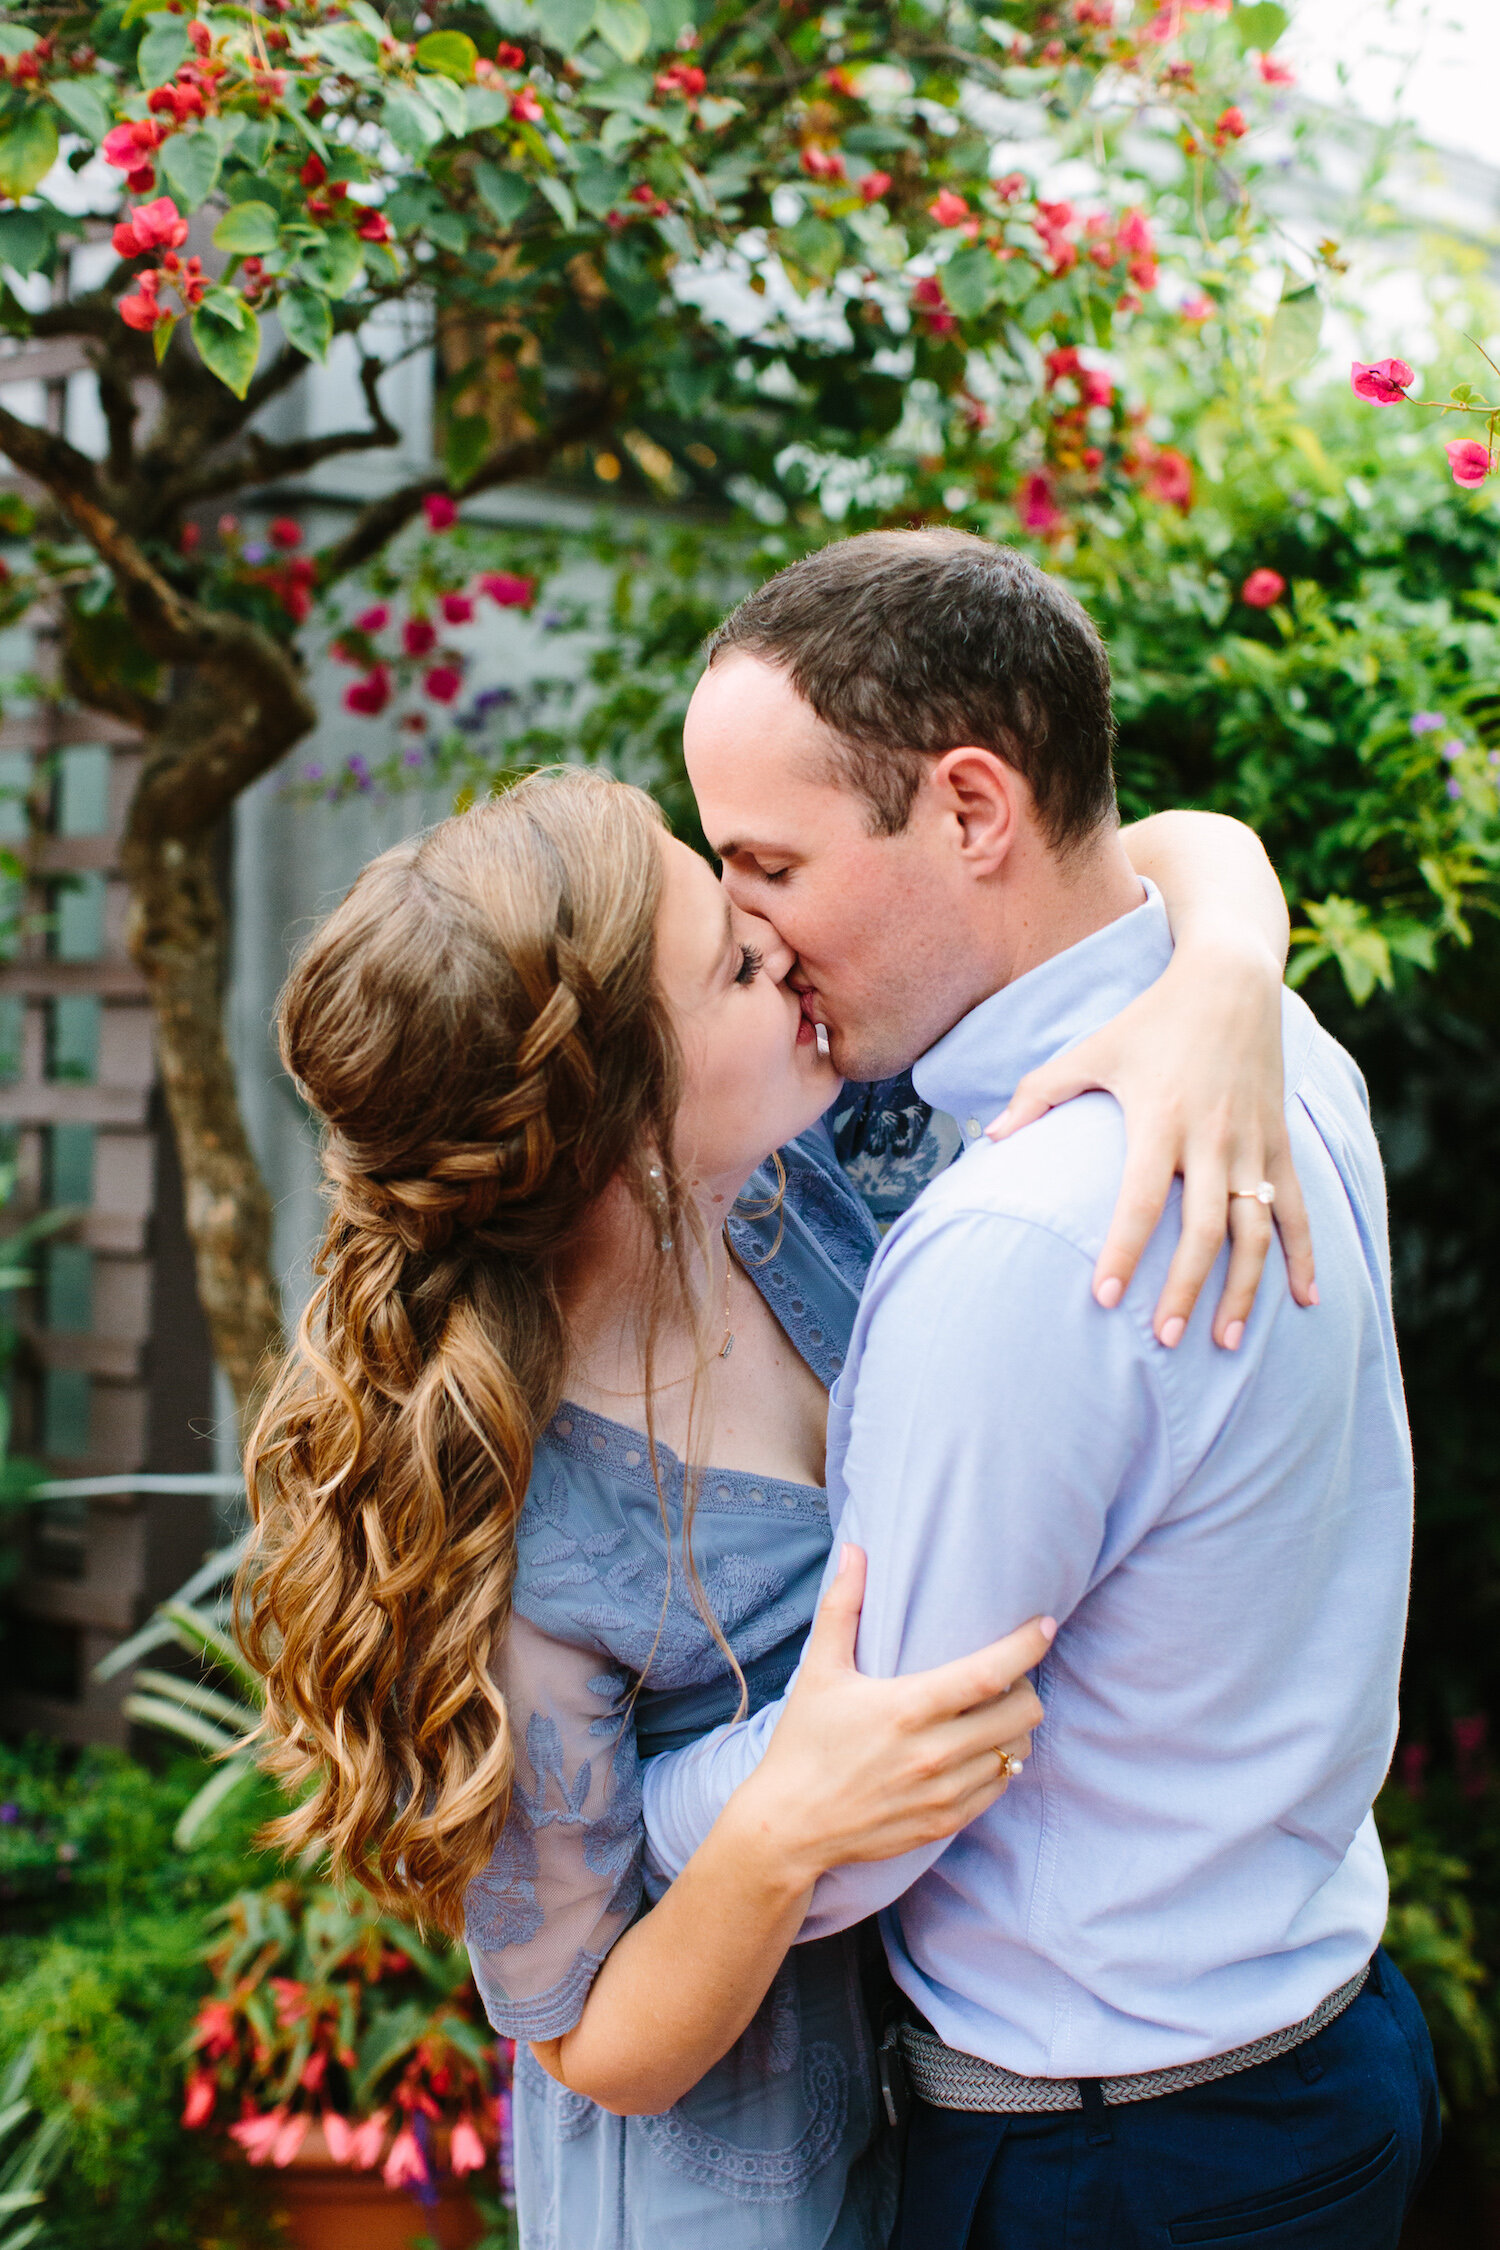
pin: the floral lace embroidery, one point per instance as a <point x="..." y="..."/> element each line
<point x="762" y="2175"/>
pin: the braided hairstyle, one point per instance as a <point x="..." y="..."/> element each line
<point x="479" y="1025"/>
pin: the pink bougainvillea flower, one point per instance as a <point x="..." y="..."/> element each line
<point x="1385" y="382"/>
<point x="419" y="636"/>
<point x="140" y="309"/>
<point x="507" y="590"/>
<point x="1230" y="125"/>
<point x="948" y="209"/>
<point x="293" y="2133"/>
<point x="1038" y="510"/>
<point x="443" y="682"/>
<point x="441" y="512"/>
<point x="339" y="2134"/>
<point x="1197" y="307"/>
<point x="127" y="146"/>
<point x="682" y="78"/>
<point x="258" y="2133"/>
<point x="525" y="107"/>
<point x="1063" y="361"/>
<point x="373" y="620"/>
<point x="873" y="186"/>
<point x="1469" y="461"/>
<point x="406" y="2166"/>
<point x="1262" y="588"/>
<point x="823" y="163"/>
<point x="283" y="532"/>
<point x="1276" y="73"/>
<point x="458" y="609"/>
<point x="213" y="2027"/>
<point x="151" y="226"/>
<point x="202" y="2093"/>
<point x="1095" y="387"/>
<point x="368" y="697"/>
<point x="465" y="2149"/>
<point x="1169" y="478"/>
<point x="374" y="226"/>
<point x="367" y="2140"/>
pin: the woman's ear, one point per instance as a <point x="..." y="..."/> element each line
<point x="981" y="794"/>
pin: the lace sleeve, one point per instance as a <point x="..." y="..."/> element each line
<point x="565" y="1876"/>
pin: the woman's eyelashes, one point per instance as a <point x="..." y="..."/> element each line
<point x="752" y="961"/>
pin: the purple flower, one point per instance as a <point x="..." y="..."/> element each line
<point x="1455" y="787"/>
<point x="256" y="551"/>
<point x="1453" y="750"/>
<point x="552" y="620"/>
<point x="414" y="758"/>
<point x="1427" y="722"/>
<point x="10" y="1814"/>
<point x="492" y="698"/>
<point x="312" y="773"/>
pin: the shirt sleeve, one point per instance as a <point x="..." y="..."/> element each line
<point x="1005" y="1446"/>
<point x="565" y="1877"/>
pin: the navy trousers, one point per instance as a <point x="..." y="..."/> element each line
<point x="1322" y="2149"/>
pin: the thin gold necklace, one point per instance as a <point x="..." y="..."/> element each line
<point x="724" y="1349"/>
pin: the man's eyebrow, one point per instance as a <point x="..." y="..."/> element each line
<point x="734" y="845"/>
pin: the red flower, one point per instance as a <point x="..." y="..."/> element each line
<point x="180" y="102"/>
<point x="339" y="2135"/>
<point x="948" y="209"/>
<point x="873" y="186"/>
<point x="1039" y="512"/>
<point x="282" y="532"/>
<point x="441" y="512"/>
<point x="125" y="145"/>
<point x="373" y="620"/>
<point x="140" y="309"/>
<point x="1262" y="588"/>
<point x="1169" y="478"/>
<point x="1385" y="382"/>
<point x="509" y="56"/>
<point x="368" y="698"/>
<point x="405" y="2166"/>
<point x="506" y="590"/>
<point x="151" y="226"/>
<point x="458" y="609"/>
<point x="364" y="2148"/>
<point x="375" y="227"/>
<point x="1469" y="461"/>
<point x="313" y="173"/>
<point x="202" y="2093"/>
<point x="258" y="2133"/>
<point x="287" y="2142"/>
<point x="1063" y="361"/>
<point x="1197" y="307"/>
<point x="1012" y="187"/>
<point x="525" y="107"/>
<point x="465" y="2149"/>
<point x="443" y="682"/>
<point x="201" y="38"/>
<point x="214" y="2029"/>
<point x="419" y="636"/>
<point x="1230" y="125"/>
<point x="823" y="163"/>
<point x="1095" y="387"/>
<point x="685" y="79"/>
<point x="1276" y="73"/>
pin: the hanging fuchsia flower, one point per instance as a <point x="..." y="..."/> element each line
<point x="1469" y="461"/>
<point x="1384" y="382"/>
<point x="367" y="2139"/>
<point x="202" y="2093"/>
<point x="441" y="512"/>
<point x="259" y="2133"/>
<point x="465" y="2149"/>
<point x="339" y="2134"/>
<point x="293" y="2133"/>
<point x="405" y="2166"/>
<point x="1262" y="588"/>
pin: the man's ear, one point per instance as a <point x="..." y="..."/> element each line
<point x="983" y="796"/>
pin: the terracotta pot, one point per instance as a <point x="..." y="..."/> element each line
<point x="330" y="2206"/>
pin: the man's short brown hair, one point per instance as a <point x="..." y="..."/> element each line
<point x="910" y="643"/>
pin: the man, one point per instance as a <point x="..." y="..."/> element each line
<point x="1147" y="2004"/>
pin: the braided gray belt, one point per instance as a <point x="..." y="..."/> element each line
<point x="949" y="2079"/>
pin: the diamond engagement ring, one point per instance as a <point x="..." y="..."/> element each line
<point x="1265" y="1193"/>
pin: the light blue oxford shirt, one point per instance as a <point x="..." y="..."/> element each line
<point x="1188" y="1861"/>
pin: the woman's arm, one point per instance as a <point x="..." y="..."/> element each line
<point x="1195" y="1063"/>
<point x="856" y="1769"/>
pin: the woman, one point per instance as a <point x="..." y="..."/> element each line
<point x="488" y="1580"/>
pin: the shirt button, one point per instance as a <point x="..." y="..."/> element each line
<point x="971" y="1127"/>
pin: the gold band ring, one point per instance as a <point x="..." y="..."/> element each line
<point x="1265" y="1193"/>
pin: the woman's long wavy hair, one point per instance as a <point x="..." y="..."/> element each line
<point x="480" y="1027"/>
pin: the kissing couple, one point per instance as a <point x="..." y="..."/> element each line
<point x="663" y="1575"/>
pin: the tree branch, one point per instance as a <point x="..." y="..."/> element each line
<point x="525" y="457"/>
<point x="47" y="456"/>
<point x="264" y="460"/>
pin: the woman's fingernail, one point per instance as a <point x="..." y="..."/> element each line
<point x="1109" y="1292"/>
<point x="1048" y="1628"/>
<point x="843" y="1561"/>
<point x="1312" y="1294"/>
<point x="1232" y="1335"/>
<point x="996" y="1130"/>
<point x="1172" y="1331"/>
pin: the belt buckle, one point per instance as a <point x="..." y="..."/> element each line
<point x="895" y="2086"/>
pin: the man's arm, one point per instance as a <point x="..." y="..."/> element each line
<point x="1004" y="1445"/>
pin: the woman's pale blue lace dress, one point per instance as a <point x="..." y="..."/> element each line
<point x="606" y="1662"/>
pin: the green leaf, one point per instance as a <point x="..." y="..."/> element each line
<point x="625" y="25"/>
<point x="1260" y="25"/>
<point x="26" y="237"/>
<point x="336" y="263"/>
<point x="560" y="199"/>
<point x="1292" y="338"/>
<point x="467" y="441"/>
<point x="486" y="106"/>
<point x="248" y="230"/>
<point x="230" y="353"/>
<point x="597" y="185"/>
<point x="504" y="194"/>
<point x="85" y="104"/>
<point x="816" y="245"/>
<point x="412" y="125"/>
<point x="450" y="102"/>
<point x="308" y="321"/>
<point x="190" y="164"/>
<point x="163" y="48"/>
<point x="631" y="280"/>
<point x="971" y="280"/>
<point x="450" y="232"/>
<point x="28" y="151"/>
<point x="452" y="54"/>
<point x="565" y="24"/>
<point x="161" y="335"/>
<point x="668" y="18"/>
<point x="227" y="304"/>
<point x="16" y="39"/>
<point x="350" y="49"/>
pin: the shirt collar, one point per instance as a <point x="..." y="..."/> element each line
<point x="976" y="1067"/>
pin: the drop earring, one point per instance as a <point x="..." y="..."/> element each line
<point x="663" y="1240"/>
